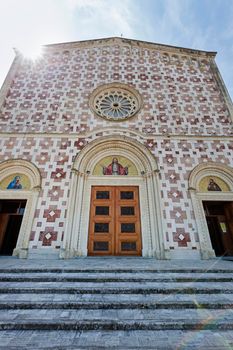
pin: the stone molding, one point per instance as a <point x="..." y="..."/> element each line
<point x="114" y="129"/>
<point x="127" y="43"/>
<point x="76" y="230"/>
<point x="93" y="152"/>
<point x="211" y="169"/>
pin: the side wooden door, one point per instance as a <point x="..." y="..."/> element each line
<point x="4" y="218"/>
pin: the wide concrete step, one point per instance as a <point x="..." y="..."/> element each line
<point x="117" y="305"/>
<point x="126" y="325"/>
<point x="60" y="315"/>
<point x="121" y="340"/>
<point x="102" y="278"/>
<point x="117" y="291"/>
<point x="109" y="283"/>
<point x="116" y="287"/>
<point x="116" y="316"/>
<point x="119" y="298"/>
<point x="110" y="270"/>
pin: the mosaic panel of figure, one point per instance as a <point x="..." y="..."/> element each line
<point x="115" y="165"/>
<point x="213" y="183"/>
<point x="15" y="182"/>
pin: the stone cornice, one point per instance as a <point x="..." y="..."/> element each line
<point x="131" y="43"/>
<point x="115" y="132"/>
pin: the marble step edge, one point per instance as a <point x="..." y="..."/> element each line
<point x="11" y="305"/>
<point x="112" y="279"/>
<point x="111" y="270"/>
<point x="118" y="285"/>
<point x="85" y="325"/>
<point x="115" y="290"/>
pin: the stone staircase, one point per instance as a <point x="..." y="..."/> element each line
<point x="122" y="303"/>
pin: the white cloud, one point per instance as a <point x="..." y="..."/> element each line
<point x="73" y="4"/>
<point x="101" y="18"/>
<point x="28" y="24"/>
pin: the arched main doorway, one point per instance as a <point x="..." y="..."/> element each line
<point x="211" y="188"/>
<point x="141" y="185"/>
<point x="20" y="183"/>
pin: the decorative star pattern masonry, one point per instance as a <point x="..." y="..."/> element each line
<point x="46" y="119"/>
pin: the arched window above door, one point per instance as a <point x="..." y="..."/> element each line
<point x="211" y="187"/>
<point x="211" y="177"/>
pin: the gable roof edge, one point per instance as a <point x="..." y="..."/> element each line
<point x="128" y="42"/>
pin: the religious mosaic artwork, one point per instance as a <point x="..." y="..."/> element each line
<point x="15" y="182"/>
<point x="115" y="168"/>
<point x="213" y="184"/>
<point x="115" y="165"/>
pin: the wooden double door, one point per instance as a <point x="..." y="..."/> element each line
<point x="114" y="227"/>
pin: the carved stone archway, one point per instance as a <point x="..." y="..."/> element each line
<point x="31" y="194"/>
<point x="76" y="230"/>
<point x="198" y="173"/>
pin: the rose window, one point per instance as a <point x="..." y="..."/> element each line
<point x="115" y="104"/>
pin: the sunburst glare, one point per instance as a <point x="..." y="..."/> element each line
<point x="33" y="53"/>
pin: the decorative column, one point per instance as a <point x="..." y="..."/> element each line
<point x="206" y="249"/>
<point x="164" y="252"/>
<point x="66" y="250"/>
<point x="21" y="249"/>
<point x="155" y="212"/>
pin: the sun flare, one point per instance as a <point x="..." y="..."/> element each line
<point x="32" y="53"/>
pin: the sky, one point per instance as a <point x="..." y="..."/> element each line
<point x="199" y="24"/>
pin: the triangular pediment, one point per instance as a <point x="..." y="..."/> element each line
<point x="129" y="43"/>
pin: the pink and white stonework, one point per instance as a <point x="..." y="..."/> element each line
<point x="184" y="122"/>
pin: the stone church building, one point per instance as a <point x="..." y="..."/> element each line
<point x="116" y="147"/>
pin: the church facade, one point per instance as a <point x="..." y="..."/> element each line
<point x="116" y="147"/>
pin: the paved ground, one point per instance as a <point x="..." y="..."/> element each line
<point x="115" y="262"/>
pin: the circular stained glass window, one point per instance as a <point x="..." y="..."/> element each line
<point x="115" y="103"/>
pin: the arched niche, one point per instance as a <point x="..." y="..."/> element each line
<point x="84" y="176"/>
<point x="30" y="180"/>
<point x="200" y="190"/>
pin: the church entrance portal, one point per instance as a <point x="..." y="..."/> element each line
<point x="219" y="217"/>
<point x="11" y="216"/>
<point x="114" y="227"/>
